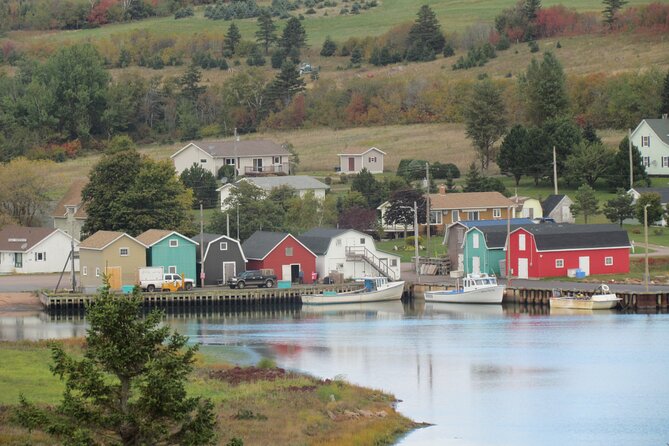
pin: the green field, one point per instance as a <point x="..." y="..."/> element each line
<point x="454" y="16"/>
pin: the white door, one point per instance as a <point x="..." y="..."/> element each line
<point x="285" y="272"/>
<point x="229" y="270"/>
<point x="476" y="265"/>
<point x="584" y="265"/>
<point x="523" y="268"/>
<point x="461" y="262"/>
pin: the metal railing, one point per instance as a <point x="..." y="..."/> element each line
<point x="362" y="253"/>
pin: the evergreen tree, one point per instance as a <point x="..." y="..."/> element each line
<point x="531" y="8"/>
<point x="294" y="36"/>
<point x="425" y="37"/>
<point x="544" y="89"/>
<point x="513" y="153"/>
<point x="286" y="84"/>
<point x="232" y="38"/>
<point x="255" y="58"/>
<point x="619" y="175"/>
<point x="590" y="134"/>
<point x="664" y="106"/>
<point x="611" y="7"/>
<point x="203" y="183"/>
<point x="585" y="202"/>
<point x="356" y="56"/>
<point x="266" y="34"/>
<point x="129" y="386"/>
<point x="473" y="179"/>
<point x="190" y="83"/>
<point x="485" y="119"/>
<point x="329" y="47"/>
<point x="655" y="209"/>
<point x="366" y="184"/>
<point x="588" y="163"/>
<point x="539" y="160"/>
<point x="620" y="207"/>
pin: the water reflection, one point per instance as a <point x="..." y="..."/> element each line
<point x="484" y="375"/>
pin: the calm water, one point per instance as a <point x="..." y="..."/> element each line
<point x="483" y="375"/>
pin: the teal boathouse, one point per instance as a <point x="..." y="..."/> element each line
<point x="171" y="250"/>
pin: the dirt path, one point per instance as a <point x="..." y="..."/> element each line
<point x="19" y="302"/>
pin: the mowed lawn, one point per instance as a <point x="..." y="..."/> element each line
<point x="454" y="15"/>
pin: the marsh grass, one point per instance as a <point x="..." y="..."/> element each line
<point x="290" y="410"/>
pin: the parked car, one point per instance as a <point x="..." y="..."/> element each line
<point x="252" y="277"/>
<point x="153" y="278"/>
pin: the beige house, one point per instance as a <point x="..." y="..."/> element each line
<point x="527" y="207"/>
<point x="354" y="161"/>
<point x="257" y="157"/>
<point x="69" y="215"/>
<point x="113" y="253"/>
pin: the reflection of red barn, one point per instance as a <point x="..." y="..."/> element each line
<point x="280" y="252"/>
<point x="286" y="350"/>
<point x="549" y="250"/>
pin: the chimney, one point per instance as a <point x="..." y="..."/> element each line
<point x="442" y="189"/>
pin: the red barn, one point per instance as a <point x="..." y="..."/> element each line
<point x="549" y="250"/>
<point x="280" y="252"/>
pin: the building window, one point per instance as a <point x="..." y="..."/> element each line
<point x="230" y="161"/>
<point x="84" y="271"/>
<point x="372" y="159"/>
<point x="172" y="269"/>
<point x="338" y="242"/>
<point x="456" y="216"/>
<point x="289" y="251"/>
<point x="203" y="161"/>
<point x="40" y="256"/>
<point x="97" y="272"/>
<point x="362" y="241"/>
<point x="665" y="161"/>
<point x="473" y="215"/>
<point x="559" y="263"/>
<point x="277" y="160"/>
<point x="174" y="243"/>
<point x="645" y="141"/>
<point x="608" y="261"/>
<point x="223" y="246"/>
<point x="646" y="161"/>
<point x="436" y="217"/>
<point x="123" y="252"/>
<point x="521" y="242"/>
<point x="497" y="213"/>
<point x="475" y="241"/>
<point x="393" y="262"/>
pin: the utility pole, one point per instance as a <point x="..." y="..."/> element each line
<point x="71" y="211"/>
<point x="237" y="221"/>
<point x="508" y="245"/>
<point x="427" y="205"/>
<point x="629" y="147"/>
<point x="555" y="187"/>
<point x="227" y="223"/>
<point x="415" y="234"/>
<point x="202" y="275"/>
<point x="645" y="240"/>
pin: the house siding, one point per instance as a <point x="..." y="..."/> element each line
<point x="542" y="263"/>
<point x="374" y="166"/>
<point x="455" y="238"/>
<point x="110" y="257"/>
<point x="488" y="258"/>
<point x="68" y="224"/>
<point x="57" y="249"/>
<point x="215" y="257"/>
<point x="485" y="213"/>
<point x="344" y="163"/>
<point x="183" y="256"/>
<point x="193" y="154"/>
<point x="655" y="152"/>
<point x="335" y="259"/>
<point x="276" y="259"/>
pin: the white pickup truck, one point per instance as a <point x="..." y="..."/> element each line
<point x="153" y="278"/>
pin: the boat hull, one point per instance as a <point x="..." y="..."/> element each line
<point x="488" y="295"/>
<point x="603" y="302"/>
<point x="393" y="291"/>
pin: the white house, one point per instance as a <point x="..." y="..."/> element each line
<point x="354" y="161"/>
<point x="301" y="183"/>
<point x="69" y="214"/>
<point x="651" y="137"/>
<point x="25" y="250"/>
<point x="636" y="192"/>
<point x="349" y="252"/>
<point x="256" y="157"/>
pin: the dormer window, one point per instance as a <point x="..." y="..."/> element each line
<point x="645" y="141"/>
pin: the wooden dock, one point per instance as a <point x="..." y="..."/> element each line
<point x="64" y="301"/>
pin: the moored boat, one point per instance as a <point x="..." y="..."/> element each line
<point x="474" y="289"/>
<point x="601" y="299"/>
<point x="377" y="289"/>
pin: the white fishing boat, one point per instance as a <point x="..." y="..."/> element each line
<point x="601" y="299"/>
<point x="377" y="289"/>
<point x="473" y="289"/>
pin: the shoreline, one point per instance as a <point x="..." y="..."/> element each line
<point x="19" y="302"/>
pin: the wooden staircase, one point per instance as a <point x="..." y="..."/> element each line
<point x="360" y="253"/>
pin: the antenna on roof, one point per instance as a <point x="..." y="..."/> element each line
<point x="236" y="135"/>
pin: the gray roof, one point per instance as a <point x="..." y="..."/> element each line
<point x="495" y="236"/>
<point x="318" y="239"/>
<point x="550" y="203"/>
<point x="660" y="127"/>
<point x="568" y="236"/>
<point x="261" y="243"/>
<point x="208" y="238"/>
<point x="222" y="149"/>
<point x="22" y="238"/>
<point x="297" y="182"/>
<point x="663" y="192"/>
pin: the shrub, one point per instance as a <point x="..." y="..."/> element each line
<point x="327" y="180"/>
<point x="266" y="363"/>
<point x="409" y="241"/>
<point x="534" y="46"/>
<point x="448" y="50"/>
<point x="183" y="12"/>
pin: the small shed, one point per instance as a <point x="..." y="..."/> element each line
<point x="355" y="160"/>
<point x="173" y="251"/>
<point x="551" y="250"/>
<point x="281" y="252"/>
<point x="113" y="253"/>
<point x="558" y="207"/>
<point x="223" y="258"/>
